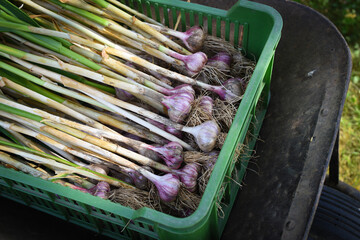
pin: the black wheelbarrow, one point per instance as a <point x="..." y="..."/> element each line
<point x="284" y="196"/>
<point x="300" y="139"/>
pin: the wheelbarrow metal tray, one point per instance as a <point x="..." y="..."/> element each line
<point x="256" y="30"/>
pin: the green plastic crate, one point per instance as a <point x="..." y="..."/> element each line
<point x="253" y="27"/>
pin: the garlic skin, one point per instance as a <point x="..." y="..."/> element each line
<point x="221" y="61"/>
<point x="206" y="103"/>
<point x="167" y="185"/>
<point x="101" y="190"/>
<point x="188" y="176"/>
<point x="195" y="62"/>
<point x="139" y="180"/>
<point x="232" y="89"/>
<point x="169" y="188"/>
<point x="99" y="168"/>
<point x="178" y="105"/>
<point x="235" y="85"/>
<point x="210" y="163"/>
<point x="194" y="38"/>
<point x="123" y="176"/>
<point x="205" y="134"/>
<point x="171" y="153"/>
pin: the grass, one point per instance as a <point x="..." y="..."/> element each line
<point x="350" y="128"/>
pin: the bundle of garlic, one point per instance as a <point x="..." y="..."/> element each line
<point x="107" y="103"/>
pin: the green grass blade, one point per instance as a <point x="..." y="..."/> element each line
<point x="9" y="135"/>
<point x="11" y="9"/>
<point x="25" y="83"/>
<point x="83" y="13"/>
<point x="20" y="112"/>
<point x="18" y="146"/>
<point x="100" y="86"/>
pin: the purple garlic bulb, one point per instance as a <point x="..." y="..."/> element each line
<point x="205" y="134"/>
<point x="213" y="156"/>
<point x="221" y="61"/>
<point x="193" y="63"/>
<point x="235" y="85"/>
<point x="206" y="104"/>
<point x="99" y="168"/>
<point x="231" y="90"/>
<point x="194" y="38"/>
<point x="178" y="105"/>
<point x="139" y="180"/>
<point x="101" y="190"/>
<point x="188" y="176"/>
<point x="171" y="153"/>
<point x="168" y="185"/>
<point x="122" y="176"/>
